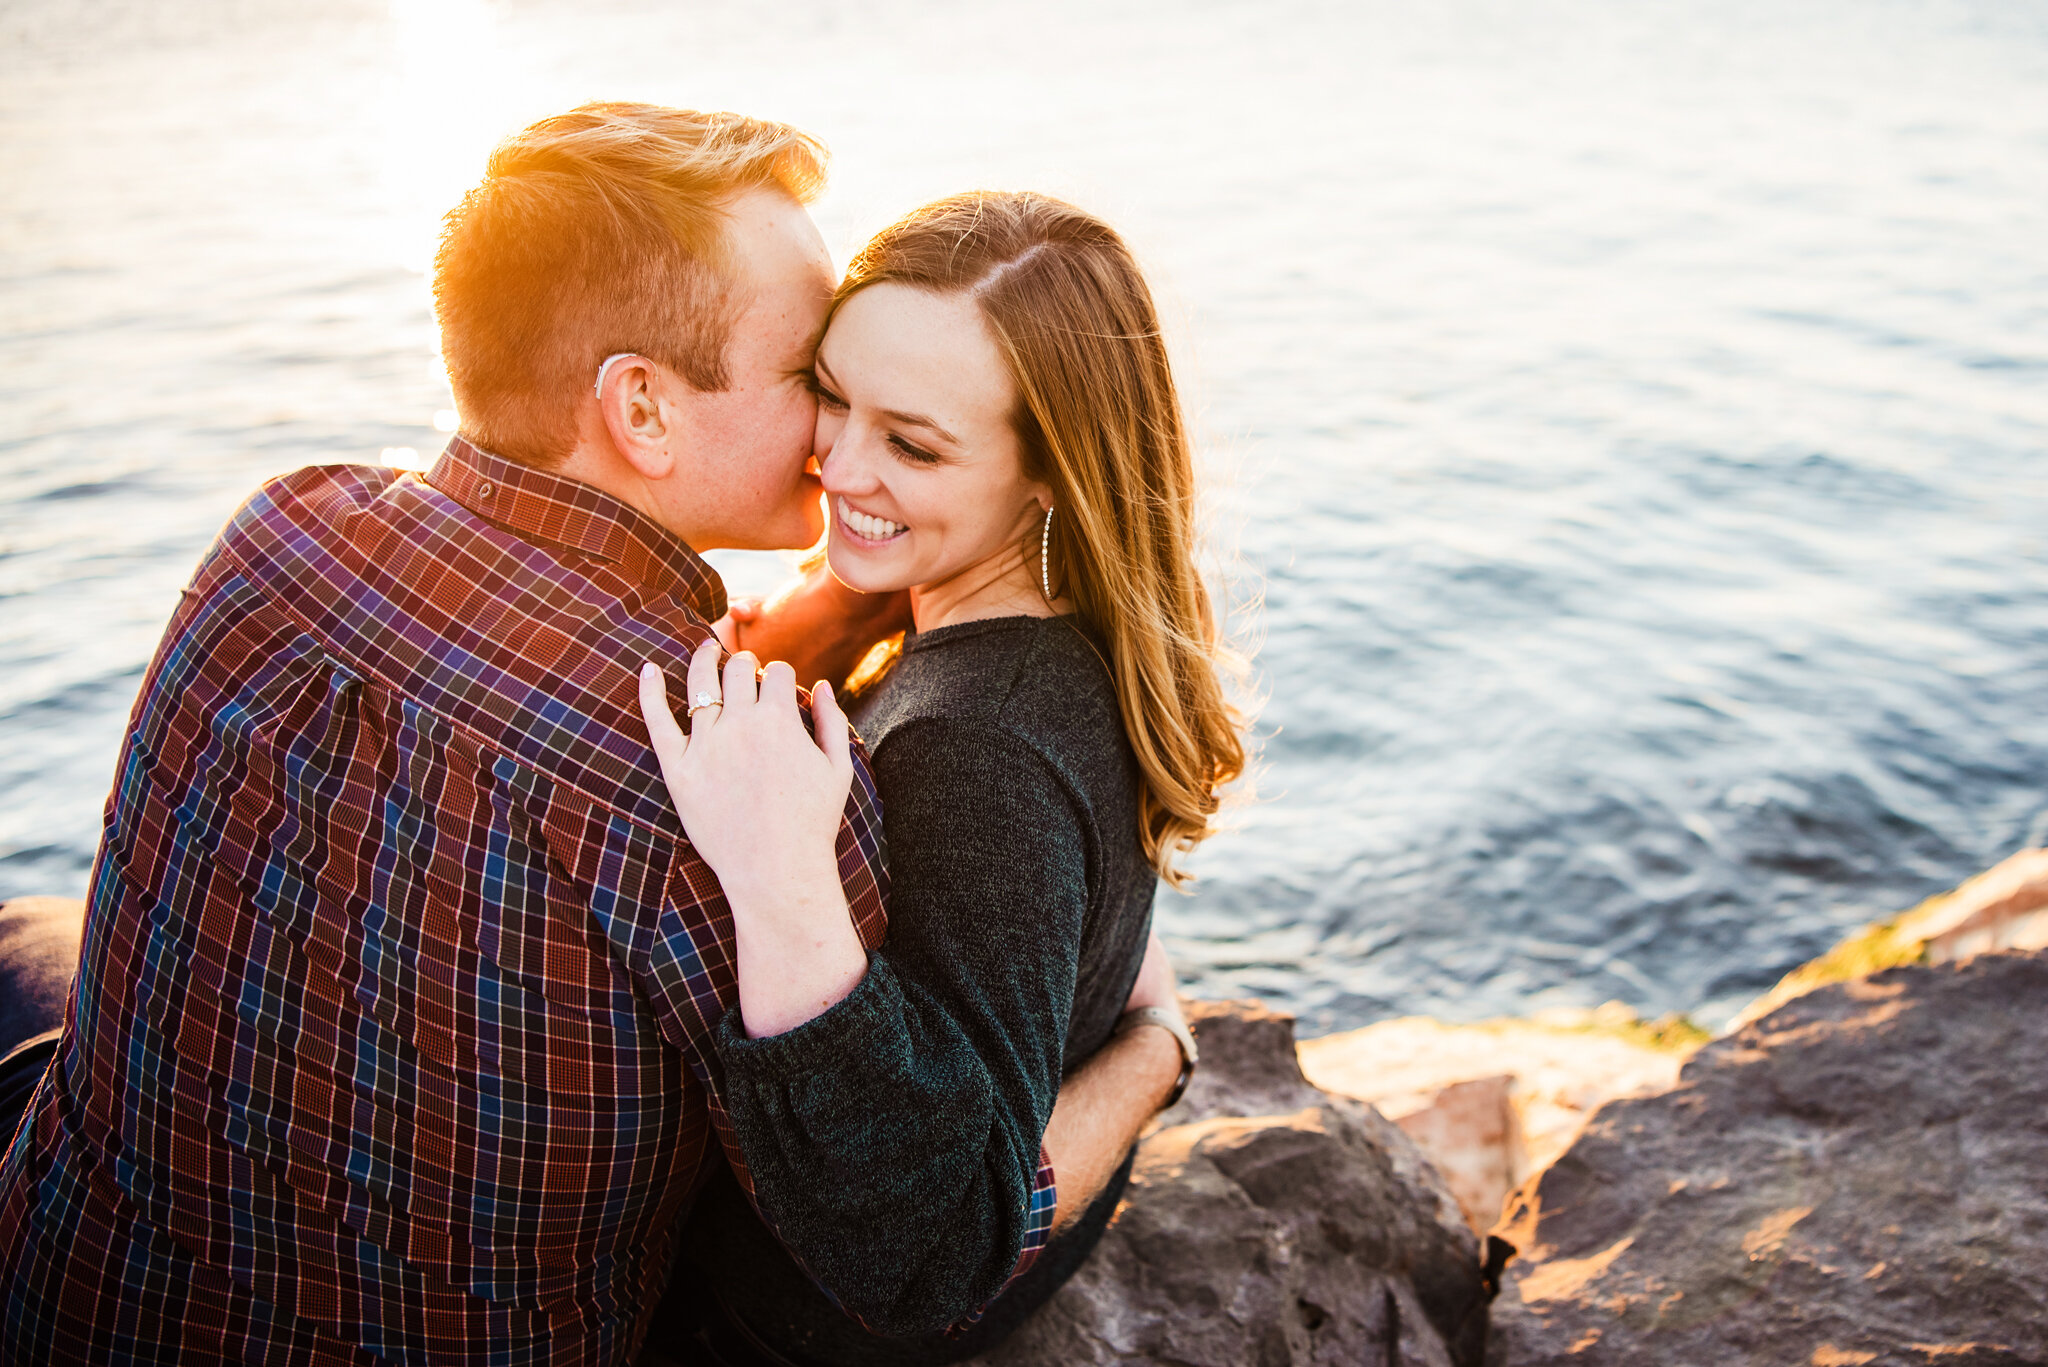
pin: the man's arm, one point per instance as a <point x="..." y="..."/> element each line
<point x="1101" y="1109"/>
<point x="1114" y="1095"/>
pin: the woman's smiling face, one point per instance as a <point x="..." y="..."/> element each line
<point x="920" y="461"/>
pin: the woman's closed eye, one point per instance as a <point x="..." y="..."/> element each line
<point x="916" y="455"/>
<point x="825" y="397"/>
<point x="832" y="403"/>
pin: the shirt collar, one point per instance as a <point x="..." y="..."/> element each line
<point x="567" y="513"/>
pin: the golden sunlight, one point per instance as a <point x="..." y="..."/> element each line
<point x="450" y="101"/>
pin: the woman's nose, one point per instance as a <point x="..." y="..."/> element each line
<point x="843" y="465"/>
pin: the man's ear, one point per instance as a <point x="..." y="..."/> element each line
<point x="636" y="415"/>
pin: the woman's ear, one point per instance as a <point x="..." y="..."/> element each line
<point x="636" y="415"/>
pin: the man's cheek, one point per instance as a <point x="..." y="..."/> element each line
<point x="803" y="420"/>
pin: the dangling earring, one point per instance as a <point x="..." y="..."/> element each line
<point x="1045" y="558"/>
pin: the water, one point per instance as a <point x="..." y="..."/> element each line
<point x="1632" y="414"/>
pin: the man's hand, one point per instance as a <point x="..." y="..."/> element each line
<point x="816" y="624"/>
<point x="1112" y="1096"/>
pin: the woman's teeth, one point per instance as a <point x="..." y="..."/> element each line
<point x="872" y="528"/>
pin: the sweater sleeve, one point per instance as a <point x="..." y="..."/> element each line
<point x="894" y="1140"/>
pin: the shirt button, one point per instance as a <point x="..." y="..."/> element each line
<point x="486" y="489"/>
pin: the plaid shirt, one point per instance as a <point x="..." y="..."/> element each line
<point x="392" y="1034"/>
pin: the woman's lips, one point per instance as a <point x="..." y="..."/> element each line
<point x="865" y="527"/>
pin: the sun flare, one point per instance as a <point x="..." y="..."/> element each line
<point x="451" y="100"/>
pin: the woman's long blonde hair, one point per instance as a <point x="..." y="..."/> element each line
<point x="1099" y="420"/>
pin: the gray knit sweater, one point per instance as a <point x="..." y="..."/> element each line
<point x="910" y="1113"/>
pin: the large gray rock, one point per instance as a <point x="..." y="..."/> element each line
<point x="1859" y="1177"/>
<point x="1269" y="1224"/>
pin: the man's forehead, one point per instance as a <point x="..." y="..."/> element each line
<point x="774" y="240"/>
<point x="782" y="275"/>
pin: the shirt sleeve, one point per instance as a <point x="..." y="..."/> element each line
<point x="894" y="1141"/>
<point x="686" y="966"/>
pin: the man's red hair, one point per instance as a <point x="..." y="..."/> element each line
<point x="598" y="231"/>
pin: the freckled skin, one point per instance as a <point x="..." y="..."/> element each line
<point x="752" y="442"/>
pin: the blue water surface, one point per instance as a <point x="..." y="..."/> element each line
<point x="1624" y="423"/>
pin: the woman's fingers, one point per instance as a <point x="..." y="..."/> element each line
<point x="662" y="732"/>
<point x="828" y="723"/>
<point x="778" y="689"/>
<point x="703" y="682"/>
<point x="740" y="613"/>
<point x="740" y="671"/>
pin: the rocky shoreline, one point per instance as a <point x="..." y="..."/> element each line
<point x="1858" y="1177"/>
<point x="1857" y="1173"/>
<point x="1269" y="1222"/>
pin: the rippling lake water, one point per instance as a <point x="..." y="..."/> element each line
<point x="1633" y="415"/>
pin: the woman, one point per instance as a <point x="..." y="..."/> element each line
<point x="998" y="434"/>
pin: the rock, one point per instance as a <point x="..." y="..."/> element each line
<point x="2005" y="907"/>
<point x="1490" y="1104"/>
<point x="1859" y="1177"/>
<point x="1470" y="1134"/>
<point x="1269" y="1223"/>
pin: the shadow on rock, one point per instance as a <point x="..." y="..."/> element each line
<point x="1269" y="1223"/>
<point x="1858" y="1177"/>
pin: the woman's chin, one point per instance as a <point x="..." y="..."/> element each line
<point x="857" y="569"/>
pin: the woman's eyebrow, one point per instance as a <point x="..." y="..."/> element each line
<point x="919" y="420"/>
<point x="907" y="419"/>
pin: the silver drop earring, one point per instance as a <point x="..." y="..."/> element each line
<point x="1045" y="558"/>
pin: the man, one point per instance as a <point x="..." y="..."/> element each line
<point x="394" y="1036"/>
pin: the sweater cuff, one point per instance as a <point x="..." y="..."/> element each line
<point x="1045" y="1199"/>
<point x="846" y="1037"/>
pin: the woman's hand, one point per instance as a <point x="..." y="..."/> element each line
<point x="739" y="613"/>
<point x="761" y="801"/>
<point x="758" y="796"/>
<point x="817" y="624"/>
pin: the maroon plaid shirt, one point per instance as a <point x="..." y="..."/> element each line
<point x="392" y="1035"/>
